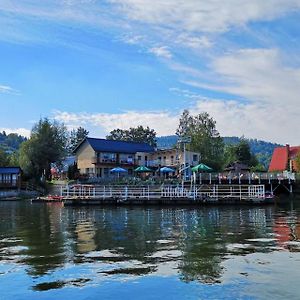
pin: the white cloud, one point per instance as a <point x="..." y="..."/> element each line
<point x="163" y="122"/>
<point x="203" y="15"/>
<point x="7" y="89"/>
<point x="194" y="42"/>
<point x="163" y="52"/>
<point x="132" y="39"/>
<point x="259" y="75"/>
<point x="253" y="120"/>
<point x="21" y="131"/>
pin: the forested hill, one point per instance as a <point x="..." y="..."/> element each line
<point x="10" y="142"/>
<point x="263" y="150"/>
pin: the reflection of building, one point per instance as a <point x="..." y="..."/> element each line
<point x="96" y="157"/>
<point x="283" y="159"/>
<point x="10" y="177"/>
<point x="85" y="237"/>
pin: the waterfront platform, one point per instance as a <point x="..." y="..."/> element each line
<point x="163" y="194"/>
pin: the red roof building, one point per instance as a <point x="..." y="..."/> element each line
<point x="283" y="159"/>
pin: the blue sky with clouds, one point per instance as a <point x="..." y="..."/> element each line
<point x="120" y="63"/>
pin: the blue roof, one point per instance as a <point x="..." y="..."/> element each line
<point x="102" y="145"/>
<point x="10" y="170"/>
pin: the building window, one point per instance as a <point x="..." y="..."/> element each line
<point x="172" y="159"/>
<point x="108" y="157"/>
<point x="195" y="157"/>
<point x="139" y="158"/>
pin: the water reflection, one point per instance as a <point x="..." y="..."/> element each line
<point x="80" y="246"/>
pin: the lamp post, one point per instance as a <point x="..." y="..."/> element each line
<point x="184" y="140"/>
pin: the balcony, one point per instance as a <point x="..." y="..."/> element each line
<point x="104" y="161"/>
<point x="162" y="162"/>
<point x="98" y="160"/>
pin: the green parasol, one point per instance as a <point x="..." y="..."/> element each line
<point x="143" y="169"/>
<point x="202" y="168"/>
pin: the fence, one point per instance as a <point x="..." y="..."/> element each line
<point x="200" y="192"/>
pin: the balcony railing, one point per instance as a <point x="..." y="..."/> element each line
<point x="168" y="162"/>
<point x="99" y="161"/>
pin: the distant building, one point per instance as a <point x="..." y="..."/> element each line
<point x="237" y="168"/>
<point x="61" y="171"/>
<point x="173" y="158"/>
<point x="10" y="177"/>
<point x="96" y="157"/>
<point x="283" y="159"/>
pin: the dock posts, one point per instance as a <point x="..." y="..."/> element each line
<point x="67" y="191"/>
<point x="219" y="178"/>
<point x="148" y="193"/>
<point x="259" y="178"/>
<point x="240" y="192"/>
<point x="249" y="178"/>
<point x="126" y="192"/>
<point x="271" y="188"/>
<point x="209" y="178"/>
<point x="61" y="191"/>
<point x="239" y="178"/>
<point x="291" y="189"/>
<point x="94" y="192"/>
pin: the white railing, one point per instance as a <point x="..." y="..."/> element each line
<point x="213" y="192"/>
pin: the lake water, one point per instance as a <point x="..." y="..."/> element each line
<point x="52" y="252"/>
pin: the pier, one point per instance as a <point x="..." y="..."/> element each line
<point x="164" y="194"/>
<point x="273" y="182"/>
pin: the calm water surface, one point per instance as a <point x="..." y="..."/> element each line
<point x="54" y="252"/>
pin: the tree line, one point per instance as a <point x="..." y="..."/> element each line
<point x="50" y="142"/>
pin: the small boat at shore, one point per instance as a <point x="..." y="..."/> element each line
<point x="49" y="198"/>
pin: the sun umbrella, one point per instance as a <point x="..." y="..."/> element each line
<point x="202" y="168"/>
<point x="142" y="169"/>
<point x="166" y="170"/>
<point x="118" y="170"/>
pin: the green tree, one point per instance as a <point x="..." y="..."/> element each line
<point x="205" y="138"/>
<point x="76" y="136"/>
<point x="47" y="144"/>
<point x="138" y="134"/>
<point x="241" y="152"/>
<point x="4" y="160"/>
<point x="14" y="159"/>
<point x="297" y="161"/>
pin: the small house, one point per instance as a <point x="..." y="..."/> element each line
<point x="10" y="177"/>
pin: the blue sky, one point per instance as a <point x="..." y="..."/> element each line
<point x="120" y="63"/>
